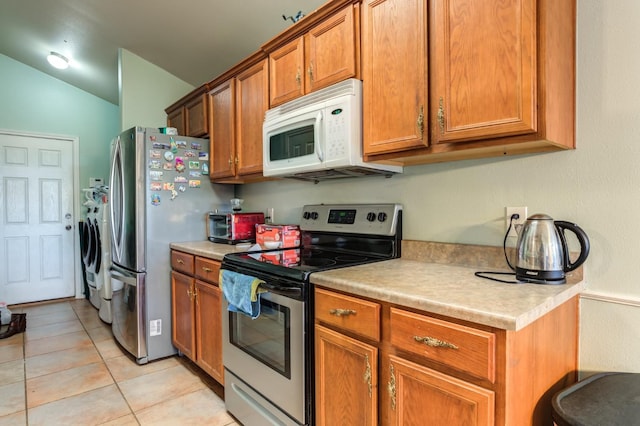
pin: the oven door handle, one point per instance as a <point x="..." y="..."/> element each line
<point x="295" y="292"/>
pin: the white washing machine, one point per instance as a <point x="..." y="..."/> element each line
<point x="96" y="253"/>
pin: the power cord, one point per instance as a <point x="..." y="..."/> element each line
<point x="482" y="274"/>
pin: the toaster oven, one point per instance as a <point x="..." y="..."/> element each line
<point x="233" y="228"/>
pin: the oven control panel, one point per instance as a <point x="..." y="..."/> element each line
<point x="370" y="219"/>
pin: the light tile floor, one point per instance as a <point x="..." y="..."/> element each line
<point x="66" y="369"/>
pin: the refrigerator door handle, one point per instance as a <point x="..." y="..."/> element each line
<point x="116" y="231"/>
<point x="127" y="279"/>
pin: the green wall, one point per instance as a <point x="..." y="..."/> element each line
<point x="32" y="101"/>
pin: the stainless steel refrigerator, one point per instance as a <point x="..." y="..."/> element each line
<point x="159" y="193"/>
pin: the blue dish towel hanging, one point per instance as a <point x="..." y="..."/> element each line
<point x="242" y="292"/>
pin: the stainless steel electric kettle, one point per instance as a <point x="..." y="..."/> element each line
<point x="542" y="254"/>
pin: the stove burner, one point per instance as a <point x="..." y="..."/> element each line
<point x="318" y="261"/>
<point x="350" y="258"/>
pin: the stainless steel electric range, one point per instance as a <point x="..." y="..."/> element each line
<point x="269" y="360"/>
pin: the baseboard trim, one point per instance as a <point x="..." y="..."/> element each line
<point x="609" y="298"/>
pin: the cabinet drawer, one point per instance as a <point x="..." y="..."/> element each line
<point x="463" y="348"/>
<point x="358" y="316"/>
<point x="207" y="269"/>
<point x="182" y="262"/>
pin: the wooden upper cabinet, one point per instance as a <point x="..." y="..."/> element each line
<point x="252" y="101"/>
<point x="331" y="48"/>
<point x="222" y="131"/>
<point x="286" y="68"/>
<point x="483" y="69"/>
<point x="394" y="71"/>
<point x="197" y="116"/>
<point x="190" y="114"/>
<point x="328" y="52"/>
<point x="175" y="119"/>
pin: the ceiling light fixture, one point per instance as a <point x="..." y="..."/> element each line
<point x="58" y="60"/>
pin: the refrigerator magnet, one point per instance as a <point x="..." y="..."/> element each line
<point x="155" y="164"/>
<point x="168" y="186"/>
<point x="181" y="144"/>
<point x="168" y="155"/>
<point x="154" y="153"/>
<point x="194" y="174"/>
<point x="159" y="145"/>
<point x="179" y="164"/>
<point x="205" y="169"/>
<point x="168" y="166"/>
<point x="190" y="154"/>
<point x="174" y="147"/>
<point x="182" y="188"/>
<point x="155" y="175"/>
<point x="180" y="179"/>
<point x="156" y="186"/>
<point x="194" y="184"/>
<point x="196" y="145"/>
<point x="194" y="164"/>
<point x="155" y="199"/>
<point x="174" y="194"/>
<point x="203" y="156"/>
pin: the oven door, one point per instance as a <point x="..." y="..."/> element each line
<point x="268" y="355"/>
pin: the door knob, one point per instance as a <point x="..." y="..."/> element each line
<point x="68" y="227"/>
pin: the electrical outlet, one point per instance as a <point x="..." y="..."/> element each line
<point x="517" y="223"/>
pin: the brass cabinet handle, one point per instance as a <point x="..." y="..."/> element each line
<point x="298" y="78"/>
<point x="434" y="343"/>
<point x="420" y="121"/>
<point x="441" y="115"/>
<point x="391" y="386"/>
<point x="236" y="160"/>
<point x="342" y="312"/>
<point x="190" y="293"/>
<point x="367" y="373"/>
<point x="204" y="268"/>
<point x="310" y="71"/>
<point x="180" y="261"/>
<point x="230" y="161"/>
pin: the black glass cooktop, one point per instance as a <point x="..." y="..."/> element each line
<point x="298" y="263"/>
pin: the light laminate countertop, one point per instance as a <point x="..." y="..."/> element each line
<point x="438" y="278"/>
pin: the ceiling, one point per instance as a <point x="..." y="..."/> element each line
<point x="195" y="40"/>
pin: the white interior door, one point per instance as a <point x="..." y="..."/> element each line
<point x="36" y="218"/>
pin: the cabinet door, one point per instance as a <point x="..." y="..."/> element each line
<point x="176" y="119"/>
<point x="331" y="50"/>
<point x="346" y="380"/>
<point x="182" y="314"/>
<point x="483" y="69"/>
<point x="286" y="66"/>
<point x="222" y="131"/>
<point x="197" y="117"/>
<point x="209" y="329"/>
<point x="252" y="101"/>
<point x="416" y="395"/>
<point x="394" y="71"/>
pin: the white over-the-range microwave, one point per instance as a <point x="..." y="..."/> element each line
<point x="319" y="136"/>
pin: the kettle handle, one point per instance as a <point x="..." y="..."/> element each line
<point x="582" y="239"/>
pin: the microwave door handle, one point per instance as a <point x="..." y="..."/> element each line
<point x="318" y="130"/>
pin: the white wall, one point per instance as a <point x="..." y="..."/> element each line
<point x="145" y="91"/>
<point x="596" y="186"/>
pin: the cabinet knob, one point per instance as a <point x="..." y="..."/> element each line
<point x="441" y="115"/>
<point x="342" y="312"/>
<point x="310" y="71"/>
<point x="420" y="121"/>
<point x="207" y="270"/>
<point x="180" y="261"/>
<point x="434" y="343"/>
<point x="298" y="78"/>
<point x="391" y="386"/>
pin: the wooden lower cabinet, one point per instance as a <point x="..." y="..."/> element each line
<point x="426" y="369"/>
<point x="196" y="313"/>
<point x="182" y="309"/>
<point x="417" y="395"/>
<point x="346" y="380"/>
<point x="208" y="329"/>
